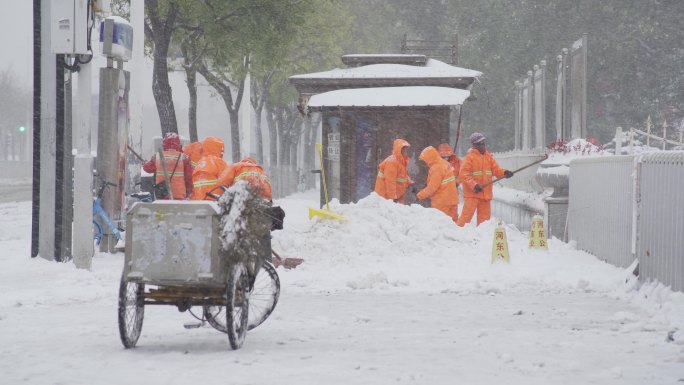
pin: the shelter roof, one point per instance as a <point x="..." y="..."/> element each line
<point x="432" y="69"/>
<point x="389" y="97"/>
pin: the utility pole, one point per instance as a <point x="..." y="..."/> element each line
<point x="45" y="126"/>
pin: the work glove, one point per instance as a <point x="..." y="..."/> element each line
<point x="508" y="174"/>
<point x="477" y="188"/>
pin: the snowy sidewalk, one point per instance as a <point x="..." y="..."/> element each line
<point x="392" y="296"/>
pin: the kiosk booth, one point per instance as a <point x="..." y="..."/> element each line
<point x="374" y="101"/>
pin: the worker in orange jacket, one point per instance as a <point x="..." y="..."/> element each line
<point x="178" y="166"/>
<point x="441" y="184"/>
<point x="194" y="152"/>
<point x="205" y="176"/>
<point x="447" y="154"/>
<point x="247" y="169"/>
<point x="393" y="180"/>
<point x="477" y="169"/>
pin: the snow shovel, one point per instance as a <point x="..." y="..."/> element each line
<point x="546" y="156"/>
<point x="324" y="213"/>
<point x="287" y="263"/>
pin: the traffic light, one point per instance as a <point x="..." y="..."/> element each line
<point x="22" y="129"/>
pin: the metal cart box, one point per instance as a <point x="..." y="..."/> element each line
<point x="174" y="243"/>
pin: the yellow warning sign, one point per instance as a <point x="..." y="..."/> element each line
<point x="538" y="234"/>
<point x="500" y="244"/>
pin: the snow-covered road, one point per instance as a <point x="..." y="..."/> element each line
<point x="392" y="296"/>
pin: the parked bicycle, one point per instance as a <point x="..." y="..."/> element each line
<point x="98" y="211"/>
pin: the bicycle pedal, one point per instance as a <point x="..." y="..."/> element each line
<point x="192" y="325"/>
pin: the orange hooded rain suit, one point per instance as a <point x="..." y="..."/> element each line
<point x="446" y="152"/>
<point x="393" y="180"/>
<point x="194" y="152"/>
<point x="441" y="184"/>
<point x="209" y="167"/>
<point x="477" y="168"/>
<point x="177" y="165"/>
<point x="251" y="171"/>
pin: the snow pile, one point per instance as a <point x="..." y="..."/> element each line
<point x="384" y="246"/>
<point x="387" y="247"/>
<point x="395" y="294"/>
<point x="563" y="152"/>
<point x="530" y="200"/>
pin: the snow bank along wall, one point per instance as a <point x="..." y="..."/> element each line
<point x="620" y="208"/>
<point x="623" y="208"/>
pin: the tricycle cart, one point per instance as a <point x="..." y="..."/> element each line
<point x="189" y="253"/>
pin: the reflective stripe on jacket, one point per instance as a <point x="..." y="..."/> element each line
<point x="479" y="169"/>
<point x="251" y="171"/>
<point x="209" y="167"/>
<point x="441" y="182"/>
<point x="393" y="180"/>
<point x="174" y="161"/>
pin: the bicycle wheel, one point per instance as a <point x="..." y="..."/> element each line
<point x="97" y="233"/>
<point x="237" y="306"/>
<point x="264" y="296"/>
<point x="131" y="312"/>
<point x="262" y="300"/>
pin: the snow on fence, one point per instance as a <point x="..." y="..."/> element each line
<point x="650" y="136"/>
<point x="638" y="141"/>
<point x="630" y="207"/>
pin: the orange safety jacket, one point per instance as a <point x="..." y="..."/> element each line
<point x="393" y="180"/>
<point x="251" y="171"/>
<point x="479" y="169"/>
<point x="177" y="178"/>
<point x="441" y="182"/>
<point x="455" y="162"/>
<point x="194" y="152"/>
<point x="205" y="176"/>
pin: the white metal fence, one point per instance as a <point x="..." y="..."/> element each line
<point x="627" y="207"/>
<point x="601" y="205"/>
<point x="660" y="220"/>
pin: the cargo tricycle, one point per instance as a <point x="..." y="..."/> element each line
<point x="214" y="256"/>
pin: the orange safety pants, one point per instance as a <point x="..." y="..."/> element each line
<point x="483" y="207"/>
<point x="451" y="211"/>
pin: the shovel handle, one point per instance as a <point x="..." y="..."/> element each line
<point x="546" y="156"/>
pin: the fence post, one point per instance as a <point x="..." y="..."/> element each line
<point x="664" y="134"/>
<point x="618" y="141"/>
<point x="648" y="131"/>
<point x="631" y="140"/>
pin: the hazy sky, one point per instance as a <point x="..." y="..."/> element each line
<point x="16" y="38"/>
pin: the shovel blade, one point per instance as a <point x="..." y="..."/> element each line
<point x="325" y="214"/>
<point x="192" y="325"/>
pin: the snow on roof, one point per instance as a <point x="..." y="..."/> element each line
<point x="432" y="69"/>
<point x="390" y="97"/>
